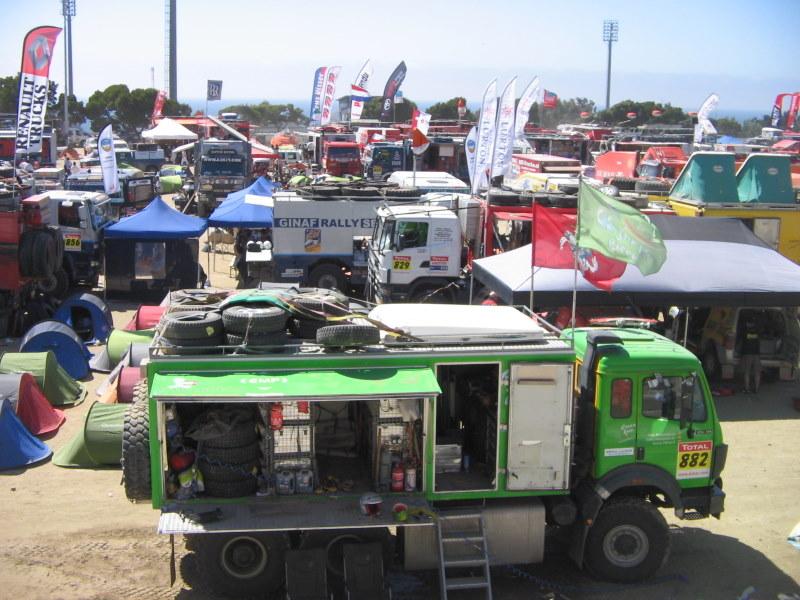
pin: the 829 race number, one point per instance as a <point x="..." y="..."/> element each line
<point x="401" y="263"/>
<point x="694" y="460"/>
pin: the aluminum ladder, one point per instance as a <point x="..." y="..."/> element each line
<point x="462" y="547"/>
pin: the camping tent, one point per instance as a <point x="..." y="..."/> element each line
<point x="154" y="249"/>
<point x="59" y="388"/>
<point x="99" y="441"/>
<point x="710" y="262"/>
<point x="29" y="403"/>
<point x="248" y="207"/>
<point x="168" y="130"/>
<point x="18" y="447"/>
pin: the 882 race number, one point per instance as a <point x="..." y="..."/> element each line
<point x="694" y="460"/>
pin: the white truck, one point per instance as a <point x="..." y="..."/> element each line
<point x="322" y="243"/>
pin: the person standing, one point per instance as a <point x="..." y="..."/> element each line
<point x="751" y="355"/>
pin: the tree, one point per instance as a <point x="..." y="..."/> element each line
<point x="128" y="111"/>
<point x="752" y="127"/>
<point x="402" y="112"/>
<point x="726" y="126"/>
<point x="669" y="115"/>
<point x="449" y="110"/>
<point x="265" y="113"/>
<point x="566" y="111"/>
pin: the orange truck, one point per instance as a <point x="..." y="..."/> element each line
<point x="651" y="171"/>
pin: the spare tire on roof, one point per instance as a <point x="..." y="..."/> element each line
<point x="627" y="184"/>
<point x="241" y="319"/>
<point x="399" y="192"/>
<point x="503" y="197"/>
<point x="360" y="191"/>
<point x="348" y="335"/>
<point x="192" y="325"/>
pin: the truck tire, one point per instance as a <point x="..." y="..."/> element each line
<point x="176" y="346"/>
<point x="242" y="434"/>
<point x="45" y="254"/>
<point x="325" y="191"/>
<point x="257" y="320"/>
<point x="328" y="276"/>
<point x="136" y="446"/>
<point x="275" y="338"/>
<point x="346" y="335"/>
<point x="398" y="192"/>
<point x="629" y="541"/>
<point x="241" y="564"/>
<point x="431" y="294"/>
<point x="503" y="197"/>
<point x="305" y="329"/>
<point x="26" y="243"/>
<point x="623" y="184"/>
<point x="218" y="471"/>
<point x="193" y="325"/>
<point x="62" y="283"/>
<point x="652" y="185"/>
<point x="321" y="306"/>
<point x="242" y="454"/>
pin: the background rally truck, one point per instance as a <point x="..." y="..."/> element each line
<point x="487" y="427"/>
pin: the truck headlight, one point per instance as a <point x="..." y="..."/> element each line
<point x="207" y="186"/>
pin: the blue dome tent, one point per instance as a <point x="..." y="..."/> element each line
<point x="154" y="250"/>
<point x="88" y="315"/>
<point x="67" y="345"/>
<point x="18" y="447"/>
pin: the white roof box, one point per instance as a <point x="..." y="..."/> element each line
<point x="449" y="324"/>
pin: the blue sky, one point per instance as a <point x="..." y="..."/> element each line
<point x="674" y="51"/>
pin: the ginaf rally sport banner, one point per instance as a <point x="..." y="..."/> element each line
<point x="37" y="52"/>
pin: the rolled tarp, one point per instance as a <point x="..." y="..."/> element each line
<point x="59" y="388"/>
<point x="99" y="442"/>
<point x="18" y="447"/>
<point x="30" y="404"/>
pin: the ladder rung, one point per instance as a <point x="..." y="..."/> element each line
<point x="452" y="516"/>
<point x="462" y="537"/>
<point x="465" y="562"/>
<point x="466" y="583"/>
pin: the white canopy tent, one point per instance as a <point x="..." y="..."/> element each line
<point x="167" y="129"/>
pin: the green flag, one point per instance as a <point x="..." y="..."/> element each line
<point x="616" y="230"/>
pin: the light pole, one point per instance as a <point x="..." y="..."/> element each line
<point x="68" y="10"/>
<point x="610" y="35"/>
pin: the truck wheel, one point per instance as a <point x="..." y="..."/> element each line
<point x="335" y="336"/>
<point x="321" y="306"/>
<point x="237" y="565"/>
<point x="277" y="338"/>
<point x="193" y="325"/>
<point x="237" y="488"/>
<point x="711" y="363"/>
<point x="136" y="446"/>
<point x="62" y="283"/>
<point x="238" y="455"/>
<point x="221" y="472"/>
<point x="623" y="184"/>
<point x="241" y="434"/>
<point x="254" y="320"/>
<point x="628" y="542"/>
<point x="328" y="277"/>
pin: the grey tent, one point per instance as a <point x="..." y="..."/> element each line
<point x="710" y="262"/>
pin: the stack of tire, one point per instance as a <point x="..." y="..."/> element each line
<point x="192" y="332"/>
<point x="312" y="312"/>
<point x="41" y="256"/>
<point x="229" y="463"/>
<point x="255" y="326"/>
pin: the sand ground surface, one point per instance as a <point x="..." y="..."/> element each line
<point x="70" y="533"/>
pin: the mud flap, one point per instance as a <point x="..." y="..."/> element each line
<point x="172" y="572"/>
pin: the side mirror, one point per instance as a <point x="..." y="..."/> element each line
<point x="687" y="401"/>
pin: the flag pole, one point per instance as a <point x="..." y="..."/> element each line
<point x="533" y="251"/>
<point x="575" y="256"/>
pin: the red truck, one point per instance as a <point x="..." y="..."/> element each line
<point x="341" y="158"/>
<point x="651" y="171"/>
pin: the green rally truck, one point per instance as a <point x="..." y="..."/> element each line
<point x="488" y="428"/>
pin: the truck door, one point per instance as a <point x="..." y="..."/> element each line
<point x="539" y="426"/>
<point x="411" y="256"/>
<point x="683" y="449"/>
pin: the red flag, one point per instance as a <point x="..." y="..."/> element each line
<point x="549" y="99"/>
<point x="554" y="243"/>
<point x="158" y="107"/>
<point x="419" y="129"/>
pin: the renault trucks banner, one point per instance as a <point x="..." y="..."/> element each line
<point x="108" y="160"/>
<point x="328" y="93"/>
<point x="504" y="133"/>
<point x="390" y="91"/>
<point x="37" y="52"/>
<point x="316" y="95"/>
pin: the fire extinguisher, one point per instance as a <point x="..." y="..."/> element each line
<point x="397" y="477"/>
<point x="276" y="416"/>
<point x="302" y="406"/>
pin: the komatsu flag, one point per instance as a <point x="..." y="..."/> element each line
<point x="37" y="52"/>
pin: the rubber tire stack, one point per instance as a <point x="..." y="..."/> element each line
<point x="229" y="463"/>
<point x="193" y="332"/>
<point x="255" y="326"/>
<point x="313" y="313"/>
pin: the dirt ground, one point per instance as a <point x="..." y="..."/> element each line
<point x="72" y="534"/>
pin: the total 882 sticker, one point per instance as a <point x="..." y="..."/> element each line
<point x="694" y="460"/>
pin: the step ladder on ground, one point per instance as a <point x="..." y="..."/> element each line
<point x="463" y="553"/>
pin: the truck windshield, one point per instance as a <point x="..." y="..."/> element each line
<point x="384" y="232"/>
<point x="387" y="156"/>
<point x="347" y="153"/>
<point x="224" y="166"/>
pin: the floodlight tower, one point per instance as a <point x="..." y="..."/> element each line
<point x="68" y="10"/>
<point x="170" y="48"/>
<point x="610" y="35"/>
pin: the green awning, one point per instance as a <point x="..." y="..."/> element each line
<point x="329" y="384"/>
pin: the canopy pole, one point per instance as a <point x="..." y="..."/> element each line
<point x="533" y="252"/>
<point x="575" y="257"/>
<point x="686" y="329"/>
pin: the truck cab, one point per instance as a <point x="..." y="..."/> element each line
<point x="342" y="158"/>
<point x="136" y="190"/>
<point x="82" y="217"/>
<point x="381" y="159"/>
<point x="415" y="252"/>
<point x="49" y="178"/>
<point x="221" y="167"/>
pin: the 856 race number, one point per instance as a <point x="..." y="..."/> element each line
<point x="694" y="460"/>
<point x="72" y="242"/>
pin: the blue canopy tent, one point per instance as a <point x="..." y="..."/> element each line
<point x="155" y="249"/>
<point x="244" y="208"/>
